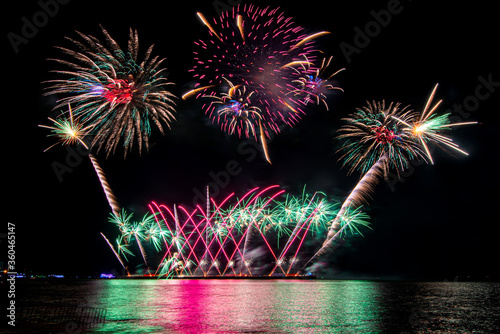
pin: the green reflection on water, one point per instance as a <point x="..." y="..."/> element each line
<point x="340" y="306"/>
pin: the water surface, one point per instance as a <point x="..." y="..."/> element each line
<point x="275" y="306"/>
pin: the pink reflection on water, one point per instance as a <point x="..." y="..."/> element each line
<point x="233" y="306"/>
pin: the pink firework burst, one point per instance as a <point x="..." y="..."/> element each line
<point x="262" y="50"/>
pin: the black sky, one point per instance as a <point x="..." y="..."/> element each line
<point x="440" y="222"/>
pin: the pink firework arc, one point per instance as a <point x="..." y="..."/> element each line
<point x="259" y="233"/>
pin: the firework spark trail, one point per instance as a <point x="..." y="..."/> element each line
<point x="363" y="189"/>
<point x="167" y="252"/>
<point x="295" y="234"/>
<point x="315" y="86"/>
<point x="112" y="201"/>
<point x="136" y="230"/>
<point x="263" y="142"/>
<point x="200" y="236"/>
<point x="228" y="235"/>
<point x="207" y="219"/>
<point x="114" y="91"/>
<point x="68" y="130"/>
<point x="327" y="242"/>
<point x="221" y="244"/>
<point x="186" y="238"/>
<point x="271" y="250"/>
<point x="428" y="125"/>
<point x="207" y="253"/>
<point x="141" y="248"/>
<point x="262" y="234"/>
<point x="247" y="238"/>
<point x="248" y="233"/>
<point x="299" y="225"/>
<point x="237" y="248"/>
<point x="174" y="242"/>
<point x="207" y="224"/>
<point x="116" y="254"/>
<point x="177" y="237"/>
<point x="248" y="194"/>
<point x="179" y="230"/>
<point x="310" y="219"/>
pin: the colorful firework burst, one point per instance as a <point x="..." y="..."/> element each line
<point x="67" y="130"/>
<point x="353" y="220"/>
<point x="114" y="91"/>
<point x="263" y="51"/>
<point x="235" y="113"/>
<point x="375" y="131"/>
<point x="315" y="86"/>
<point x="427" y="127"/>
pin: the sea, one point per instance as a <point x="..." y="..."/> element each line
<point x="198" y="306"/>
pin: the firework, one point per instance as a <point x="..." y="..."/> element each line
<point x="114" y="91"/>
<point x="115" y="252"/>
<point x="237" y="113"/>
<point x="234" y="111"/>
<point x="359" y="195"/>
<point x="123" y="247"/>
<point x="350" y="220"/>
<point x="67" y="130"/>
<point x="372" y="132"/>
<point x="110" y="196"/>
<point x="378" y="138"/>
<point x="234" y="236"/>
<point x="373" y="143"/>
<point x="139" y="232"/>
<point x="427" y="127"/>
<point x="308" y="214"/>
<point x="71" y="132"/>
<point x="315" y="86"/>
<point x="263" y="51"/>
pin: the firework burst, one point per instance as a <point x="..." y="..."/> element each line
<point x="67" y="130"/>
<point x="114" y="91"/>
<point x="427" y="127"/>
<point x="236" y="113"/>
<point x="315" y="86"/>
<point x="263" y="51"/>
<point x="375" y="131"/>
<point x="70" y="132"/>
<point x="378" y="138"/>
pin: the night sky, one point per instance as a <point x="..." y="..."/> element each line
<point x="438" y="221"/>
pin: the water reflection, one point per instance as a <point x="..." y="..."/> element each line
<point x="240" y="306"/>
<point x="260" y="306"/>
